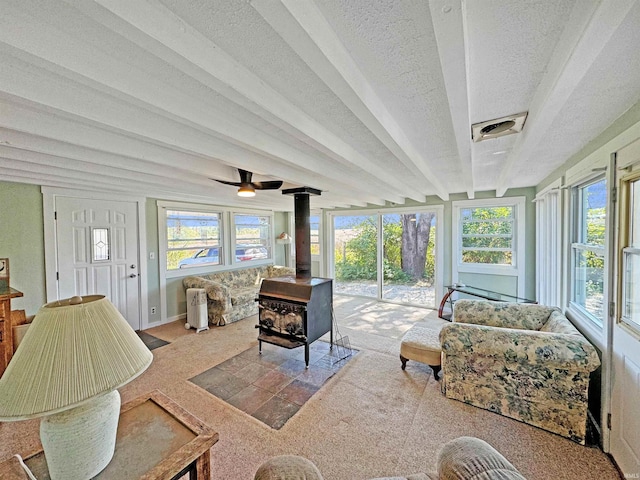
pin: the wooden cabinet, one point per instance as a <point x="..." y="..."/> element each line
<point x="6" y="326"/>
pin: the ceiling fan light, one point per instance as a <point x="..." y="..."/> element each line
<point x="246" y="191"/>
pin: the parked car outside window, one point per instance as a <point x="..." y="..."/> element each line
<point x="211" y="255"/>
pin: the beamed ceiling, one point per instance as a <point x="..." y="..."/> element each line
<point x="370" y="101"/>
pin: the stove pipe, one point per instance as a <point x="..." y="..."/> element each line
<point x="303" y="235"/>
<point x="302" y="213"/>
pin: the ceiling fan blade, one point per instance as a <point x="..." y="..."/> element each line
<point x="235" y="184"/>
<point x="274" y="185"/>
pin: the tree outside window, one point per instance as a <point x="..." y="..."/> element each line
<point x="588" y="249"/>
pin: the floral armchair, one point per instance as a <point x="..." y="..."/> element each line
<point x="523" y="361"/>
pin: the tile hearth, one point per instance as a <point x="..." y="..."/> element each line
<point x="273" y="386"/>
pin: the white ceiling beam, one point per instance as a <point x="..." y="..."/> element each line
<point x="142" y="129"/>
<point x="47" y="152"/>
<point x="98" y="70"/>
<point x="106" y="171"/>
<point x="95" y="159"/>
<point x="590" y="29"/>
<point x="453" y="49"/>
<point x="54" y="175"/>
<point x="161" y="24"/>
<point x="304" y="28"/>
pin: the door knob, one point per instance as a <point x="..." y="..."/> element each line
<point x="133" y="275"/>
<point x="132" y="266"/>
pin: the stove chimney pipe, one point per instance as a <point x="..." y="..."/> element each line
<point x="302" y="213"/>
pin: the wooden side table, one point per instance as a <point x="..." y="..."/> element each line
<point x="157" y="440"/>
<point x="6" y="327"/>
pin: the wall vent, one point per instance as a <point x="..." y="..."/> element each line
<point x="498" y="127"/>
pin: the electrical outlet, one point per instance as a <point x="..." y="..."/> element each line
<point x="153" y="310"/>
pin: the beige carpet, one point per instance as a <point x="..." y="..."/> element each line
<point x="371" y="419"/>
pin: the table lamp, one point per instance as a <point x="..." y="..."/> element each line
<point x="67" y="369"/>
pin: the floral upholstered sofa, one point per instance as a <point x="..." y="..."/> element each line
<point x="231" y="295"/>
<point x="523" y="361"/>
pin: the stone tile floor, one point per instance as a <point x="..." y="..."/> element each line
<point x="274" y="385"/>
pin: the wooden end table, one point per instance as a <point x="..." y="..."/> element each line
<point x="157" y="439"/>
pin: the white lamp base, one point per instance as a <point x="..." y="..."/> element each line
<point x="79" y="443"/>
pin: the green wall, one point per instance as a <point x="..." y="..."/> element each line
<point x="153" y="265"/>
<point x="22" y="242"/>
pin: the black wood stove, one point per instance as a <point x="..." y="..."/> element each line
<point x="296" y="311"/>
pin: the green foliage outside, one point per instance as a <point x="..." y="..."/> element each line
<point x="356" y="258"/>
<point x="484" y="229"/>
<point x="595" y="235"/>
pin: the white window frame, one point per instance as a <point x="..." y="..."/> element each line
<point x="162" y="227"/>
<point x="227" y="241"/>
<point x="549" y="245"/>
<point x="518" y="268"/>
<point x="583" y="316"/>
<point x="630" y="248"/>
<point x="270" y="238"/>
<point x="317" y="256"/>
<point x="439" y="253"/>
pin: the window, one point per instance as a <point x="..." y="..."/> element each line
<point x="314" y="226"/>
<point x="487" y="235"/>
<point x="631" y="260"/>
<point x="253" y="239"/>
<point x="489" y="243"/>
<point x="588" y="249"/>
<point x="100" y="245"/>
<point x="193" y="239"/>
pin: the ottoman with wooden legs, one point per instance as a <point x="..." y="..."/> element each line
<point x="421" y="343"/>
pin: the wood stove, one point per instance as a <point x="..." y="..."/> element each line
<point x="296" y="311"/>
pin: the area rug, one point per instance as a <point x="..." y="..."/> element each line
<point x="274" y="385"/>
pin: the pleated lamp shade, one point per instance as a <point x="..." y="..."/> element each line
<point x="75" y="350"/>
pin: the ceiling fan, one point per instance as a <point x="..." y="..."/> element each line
<point x="247" y="187"/>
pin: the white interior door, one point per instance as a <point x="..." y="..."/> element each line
<point x="625" y="382"/>
<point x="97" y="252"/>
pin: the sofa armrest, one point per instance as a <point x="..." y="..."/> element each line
<point x="509" y="346"/>
<point x="526" y="316"/>
<point x="218" y="295"/>
<point x="469" y="457"/>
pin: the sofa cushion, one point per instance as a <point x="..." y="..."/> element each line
<point x="558" y="323"/>
<point x="243" y="295"/>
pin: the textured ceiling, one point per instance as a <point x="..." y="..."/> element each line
<point x="369" y="101"/>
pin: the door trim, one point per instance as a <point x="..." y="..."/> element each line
<point x="49" y="196"/>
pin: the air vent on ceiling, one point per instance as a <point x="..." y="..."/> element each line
<point x="498" y="127"/>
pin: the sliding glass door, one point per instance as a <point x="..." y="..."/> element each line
<point x="355" y="239"/>
<point x="408" y="260"/>
<point x="389" y="256"/>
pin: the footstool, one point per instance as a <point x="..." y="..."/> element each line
<point x="422" y="344"/>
